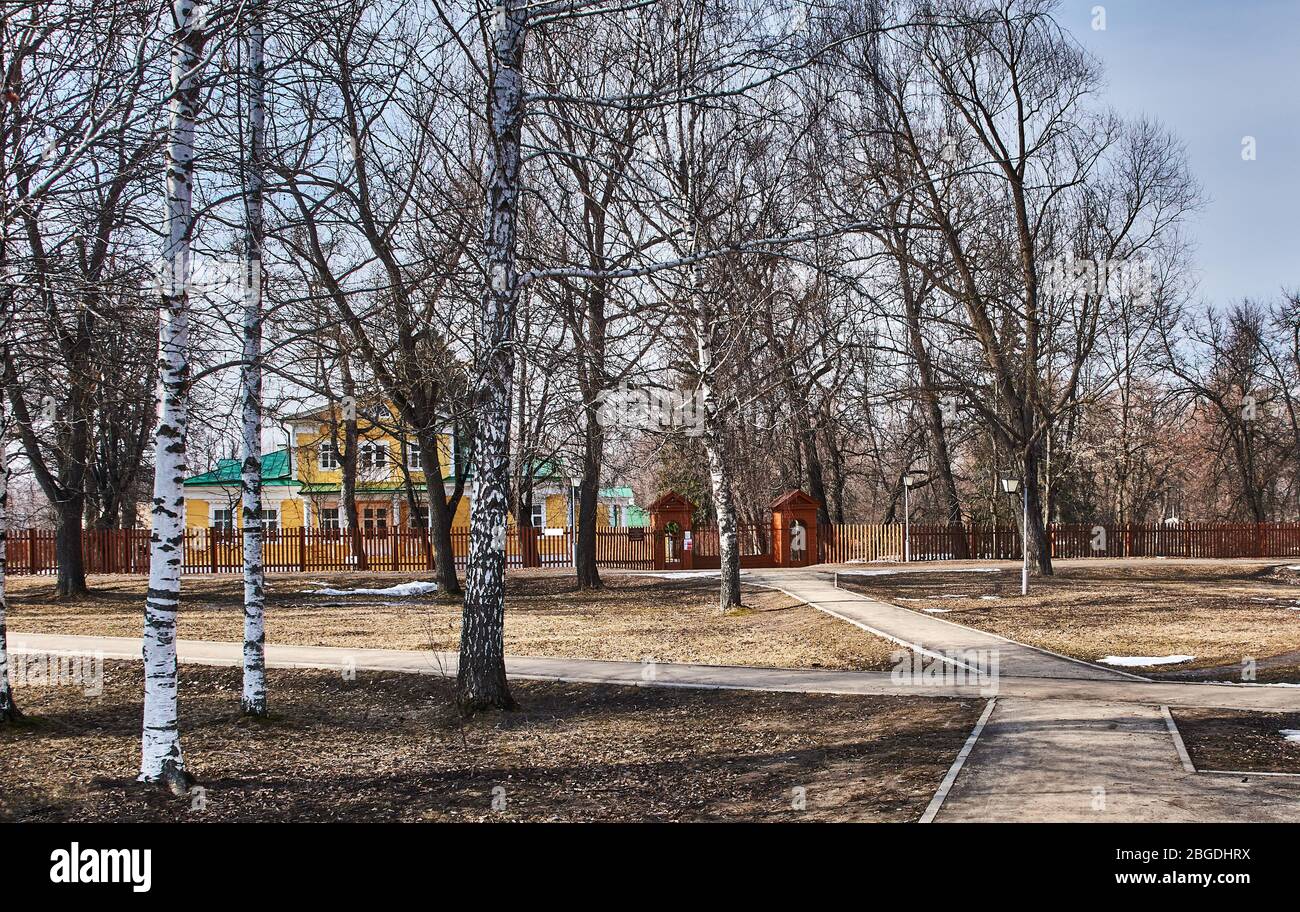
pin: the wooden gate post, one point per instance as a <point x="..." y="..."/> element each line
<point x="671" y="507"/>
<point x="791" y="509"/>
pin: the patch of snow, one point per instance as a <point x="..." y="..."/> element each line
<point x="936" y="610"/>
<point x="401" y="589"/>
<point x="684" y="574"/>
<point x="1144" y="661"/>
<point x="1291" y="734"/>
<point x="893" y="570"/>
<point x="990" y="598"/>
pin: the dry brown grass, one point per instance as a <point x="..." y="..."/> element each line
<point x="388" y="747"/>
<point x="1219" y="611"/>
<point x="633" y="618"/>
<point x="1221" y="739"/>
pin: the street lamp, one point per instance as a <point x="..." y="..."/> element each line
<point x="908" y="480"/>
<point x="1011" y="485"/>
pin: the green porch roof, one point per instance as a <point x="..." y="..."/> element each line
<point x="275" y="471"/>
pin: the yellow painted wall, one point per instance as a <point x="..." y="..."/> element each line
<point x="196" y="514"/>
<point x="557" y="511"/>
<point x="290" y="513"/>
<point x="307" y="458"/>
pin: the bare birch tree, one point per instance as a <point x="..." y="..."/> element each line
<point x="253" y="701"/>
<point x="161" y="757"/>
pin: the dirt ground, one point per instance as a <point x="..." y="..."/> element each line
<point x="1220" y="739"/>
<point x="388" y="747"/>
<point x="1221" y="612"/>
<point x="633" y="618"/>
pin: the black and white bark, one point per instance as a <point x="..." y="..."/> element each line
<point x="161" y="758"/>
<point x="481" y="678"/>
<point x="253" y="700"/>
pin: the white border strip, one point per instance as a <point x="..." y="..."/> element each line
<point x="1246" y="773"/>
<point x="1178" y="740"/>
<point x="946" y="786"/>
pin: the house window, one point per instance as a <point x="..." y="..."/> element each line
<point x="374" y="519"/>
<point x="329" y="518"/>
<point x="414" y="456"/>
<point x="539" y="515"/>
<point x="374" y="454"/>
<point x="329" y="455"/>
<point x="420" y="518"/>
<point x="270" y="523"/>
<point x="223" y="519"/>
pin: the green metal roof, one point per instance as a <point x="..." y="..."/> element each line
<point x="275" y="471"/>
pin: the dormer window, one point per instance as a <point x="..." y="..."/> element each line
<point x="414" y="456"/>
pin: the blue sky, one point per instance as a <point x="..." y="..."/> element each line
<point x="1216" y="71"/>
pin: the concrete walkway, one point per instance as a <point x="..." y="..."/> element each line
<point x="1066" y="741"/>
<point x="1096" y="749"/>
<point x="817" y="588"/>
<point x="1077" y="761"/>
<point x="666" y="674"/>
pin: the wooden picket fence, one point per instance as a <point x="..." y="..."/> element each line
<point x="753" y="540"/>
<point x="32" y="551"/>
<point x="1082" y="540"/>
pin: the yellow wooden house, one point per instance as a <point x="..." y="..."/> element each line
<point x="302" y="483"/>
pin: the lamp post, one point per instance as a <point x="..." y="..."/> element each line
<point x="1011" y="485"/>
<point x="908" y="480"/>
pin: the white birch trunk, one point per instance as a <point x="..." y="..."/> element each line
<point x="481" y="680"/>
<point x="253" y="701"/>
<point x="161" y="758"/>
<point x="714" y="438"/>
<point x="8" y="708"/>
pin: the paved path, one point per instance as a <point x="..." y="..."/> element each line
<point x="1066" y="741"/>
<point x="1091" y="761"/>
<point x="665" y="674"/>
<point x="1097" y="749"/>
<point x="817" y="588"/>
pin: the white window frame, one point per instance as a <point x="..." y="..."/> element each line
<point x="327" y="457"/>
<point x="213" y="518"/>
<point x="369" y="449"/>
<point x="371" y="522"/>
<point x="274" y="517"/>
<point x="332" y="524"/>
<point x="413" y="454"/>
<point x="538" y="515"/>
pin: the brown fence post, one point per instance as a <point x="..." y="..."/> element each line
<point x="396" y="539"/>
<point x="302" y="549"/>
